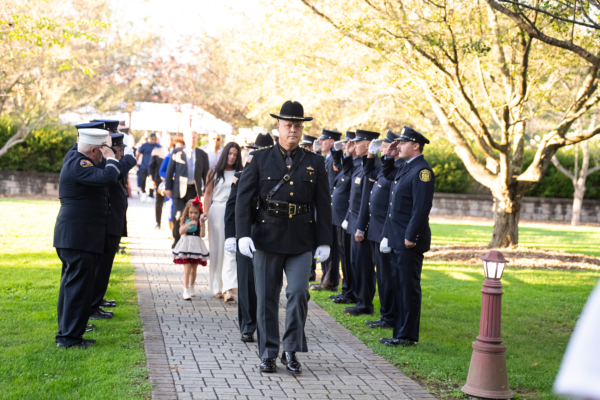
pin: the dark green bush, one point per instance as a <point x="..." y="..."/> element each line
<point x="451" y="175"/>
<point x="42" y="151"/>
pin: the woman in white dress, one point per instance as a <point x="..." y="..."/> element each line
<point x="222" y="265"/>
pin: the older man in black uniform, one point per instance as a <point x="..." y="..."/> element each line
<point x="406" y="232"/>
<point x="245" y="268"/>
<point x="117" y="227"/>
<point x="372" y="216"/>
<point x="80" y="231"/>
<point x="293" y="221"/>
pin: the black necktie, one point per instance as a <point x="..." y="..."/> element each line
<point x="288" y="158"/>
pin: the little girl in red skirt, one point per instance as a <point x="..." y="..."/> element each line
<point x="190" y="249"/>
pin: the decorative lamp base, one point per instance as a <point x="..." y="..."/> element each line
<point x="488" y="376"/>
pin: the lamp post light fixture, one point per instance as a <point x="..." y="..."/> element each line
<point x="488" y="376"/>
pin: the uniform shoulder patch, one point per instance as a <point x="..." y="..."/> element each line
<point x="249" y="159"/>
<point x="425" y="175"/>
<point x="235" y="180"/>
<point x="86" y="163"/>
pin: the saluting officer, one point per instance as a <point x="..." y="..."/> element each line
<point x="80" y="231"/>
<point x="330" y="280"/>
<point x="245" y="268"/>
<point x="88" y="125"/>
<point x="361" y="258"/>
<point x="406" y="231"/>
<point x="373" y="213"/>
<point x="117" y="226"/>
<point x="290" y="184"/>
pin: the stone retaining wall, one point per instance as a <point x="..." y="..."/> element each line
<point x="25" y="183"/>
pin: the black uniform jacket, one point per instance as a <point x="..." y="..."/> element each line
<point x="230" y="206"/>
<point x="357" y="177"/>
<point x="340" y="199"/>
<point x="308" y="186"/>
<point x="411" y="199"/>
<point x="333" y="167"/>
<point x="83" y="193"/>
<point x="375" y="199"/>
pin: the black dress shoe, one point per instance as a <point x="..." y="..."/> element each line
<point x="334" y="296"/>
<point x="289" y="359"/>
<point x="355" y="312"/>
<point x="84" y="344"/>
<point x="247" y="337"/>
<point x="344" y="300"/>
<point x="381" y="324"/>
<point x="385" y="340"/>
<point x="268" y="365"/>
<point x="398" y="342"/>
<point x="107" y="311"/>
<point x="107" y="304"/>
<point x="373" y="322"/>
<point x="109" y="301"/>
<point x="101" y="315"/>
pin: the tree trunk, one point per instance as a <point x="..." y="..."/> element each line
<point x="507" y="212"/>
<point x="579" y="183"/>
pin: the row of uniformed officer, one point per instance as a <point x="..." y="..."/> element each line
<point x="80" y="233"/>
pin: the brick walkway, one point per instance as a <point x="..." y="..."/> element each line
<point x="194" y="348"/>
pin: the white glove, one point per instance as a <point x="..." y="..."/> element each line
<point x="345" y="225"/>
<point x="338" y="145"/>
<point x="247" y="246"/>
<point x="230" y="245"/>
<point x="317" y="146"/>
<point x="128" y="151"/>
<point x="383" y="246"/>
<point x="375" y="146"/>
<point x="322" y="253"/>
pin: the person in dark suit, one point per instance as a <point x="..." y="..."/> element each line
<point x="80" y="231"/>
<point x="330" y="279"/>
<point x="371" y="218"/>
<point x="116" y="229"/>
<point x="361" y="259"/>
<point x="245" y="268"/>
<point x="406" y="233"/>
<point x="186" y="177"/>
<point x="291" y="185"/>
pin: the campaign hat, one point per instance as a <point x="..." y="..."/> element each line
<point x="93" y="136"/>
<point x="262" y="140"/>
<point x="292" y="111"/>
<point x="390" y="137"/>
<point x="349" y="136"/>
<point x="90" y="125"/>
<point x="117" y="139"/>
<point x="327" y="134"/>
<point x="410" y="135"/>
<point x="109" y="124"/>
<point x="365" y="135"/>
<point x="307" y="140"/>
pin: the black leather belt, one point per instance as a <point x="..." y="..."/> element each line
<point x="283" y="208"/>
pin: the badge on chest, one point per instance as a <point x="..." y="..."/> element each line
<point x="357" y="180"/>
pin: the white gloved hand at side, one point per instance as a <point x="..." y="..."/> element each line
<point x="383" y="246"/>
<point x="338" y="145"/>
<point x="230" y="245"/>
<point x="317" y="146"/>
<point x="247" y="246"/>
<point x="322" y="253"/>
<point x="345" y="225"/>
<point x="375" y="146"/>
<point x="128" y="151"/>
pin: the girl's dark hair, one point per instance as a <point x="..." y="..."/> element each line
<point x="222" y="163"/>
<point x="186" y="211"/>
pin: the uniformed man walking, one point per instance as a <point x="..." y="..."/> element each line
<point x="406" y="232"/>
<point x="80" y="231"/>
<point x="289" y="184"/>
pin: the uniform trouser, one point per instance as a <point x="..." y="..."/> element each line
<point x="406" y="276"/>
<point x="103" y="269"/>
<point x="246" y="294"/>
<point x="363" y="270"/>
<point x="331" y="267"/>
<point x="75" y="294"/>
<point x="384" y="282"/>
<point x="158" y="207"/>
<point x="344" y="242"/>
<point x="268" y="280"/>
<point x="178" y="206"/>
<point x="142" y="174"/>
<point x="313" y="270"/>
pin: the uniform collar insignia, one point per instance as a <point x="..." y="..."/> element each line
<point x="310" y="168"/>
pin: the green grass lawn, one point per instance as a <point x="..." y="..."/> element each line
<point x="31" y="367"/>
<point x="540" y="309"/>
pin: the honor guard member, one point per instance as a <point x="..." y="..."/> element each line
<point x="87" y="125"/>
<point x="361" y="259"/>
<point x="289" y="184"/>
<point x="117" y="227"/>
<point x="80" y="231"/>
<point x="245" y="268"/>
<point x="406" y="232"/>
<point x="330" y="280"/>
<point x="340" y="202"/>
<point x="373" y="213"/>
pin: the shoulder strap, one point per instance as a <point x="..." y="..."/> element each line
<point x="286" y="177"/>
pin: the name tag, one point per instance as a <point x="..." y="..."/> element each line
<point x="357" y="180"/>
